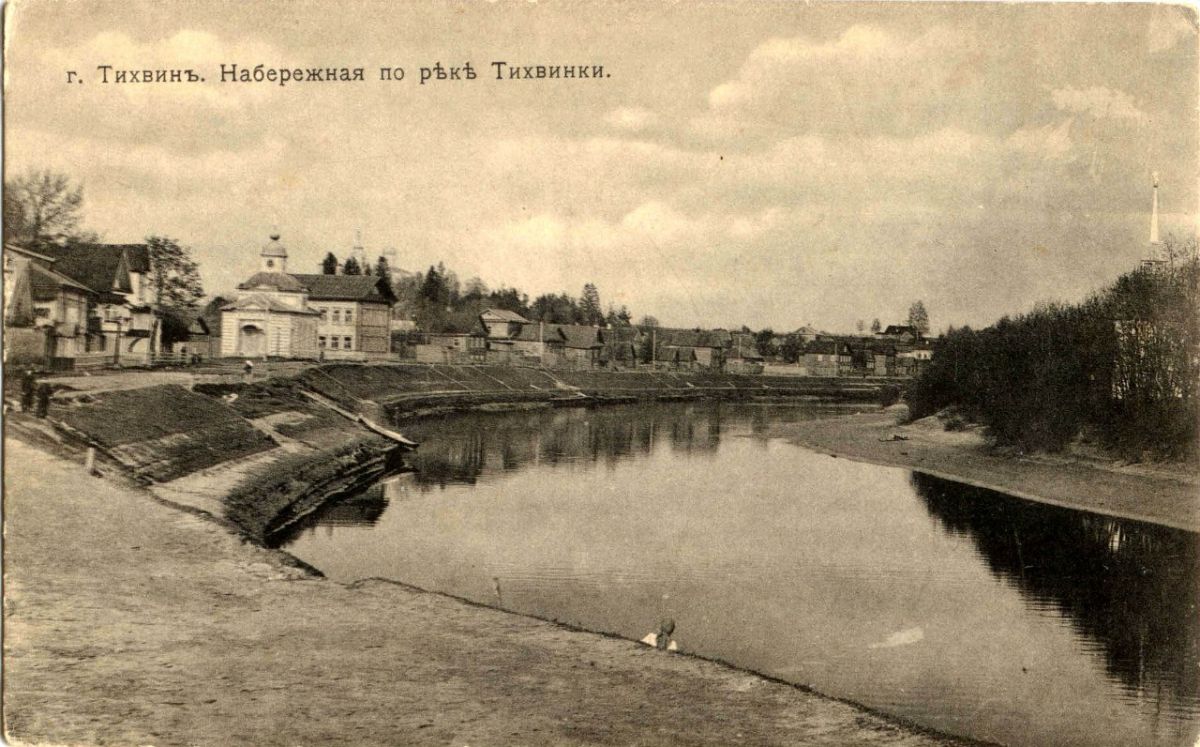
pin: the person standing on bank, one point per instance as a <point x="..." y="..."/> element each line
<point x="28" y="385"/>
<point x="43" y="400"/>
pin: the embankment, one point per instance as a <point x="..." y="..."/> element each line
<point x="397" y="392"/>
<point x="1160" y="495"/>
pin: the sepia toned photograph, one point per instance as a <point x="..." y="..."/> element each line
<point x="588" y="372"/>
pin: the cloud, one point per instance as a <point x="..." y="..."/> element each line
<point x="1169" y="25"/>
<point x="868" y="79"/>
<point x="631" y="118"/>
<point x="1098" y="102"/>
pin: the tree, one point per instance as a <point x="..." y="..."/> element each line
<point x="329" y="264"/>
<point x="875" y="325"/>
<point x="764" y="341"/>
<point x="648" y="321"/>
<point x="174" y="278"/>
<point x="589" y="305"/>
<point x="42" y="206"/>
<point x="918" y="318"/>
<point x="792" y="348"/>
<point x="383" y="270"/>
<point x="433" y="287"/>
<point x="556" y="308"/>
<point x="860" y="325"/>
<point x="352" y="267"/>
<point x="475" y="288"/>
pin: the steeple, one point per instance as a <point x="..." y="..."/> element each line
<point x="273" y="255"/>
<point x="1154" y="249"/>
<point x="1154" y="214"/>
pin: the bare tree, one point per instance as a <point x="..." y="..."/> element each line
<point x="42" y="206"/>
<point x="918" y="318"/>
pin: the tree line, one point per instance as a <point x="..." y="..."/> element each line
<point x="1121" y="368"/>
<point x="437" y="301"/>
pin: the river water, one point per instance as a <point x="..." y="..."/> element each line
<point x="961" y="609"/>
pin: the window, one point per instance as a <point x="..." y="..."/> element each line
<point x="348" y="346"/>
<point x="333" y="343"/>
<point x="270" y="263"/>
<point x="349" y="316"/>
<point x="321" y="341"/>
<point x="324" y="313"/>
<point x="337" y="316"/>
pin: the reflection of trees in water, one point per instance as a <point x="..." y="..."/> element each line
<point x="1128" y="586"/>
<point x="361" y="509"/>
<point x="460" y="450"/>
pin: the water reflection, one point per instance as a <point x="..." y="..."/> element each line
<point x="480" y="444"/>
<point x="1129" y="587"/>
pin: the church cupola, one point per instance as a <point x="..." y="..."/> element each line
<point x="274" y="255"/>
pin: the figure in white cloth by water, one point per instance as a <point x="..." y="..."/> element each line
<point x="662" y="639"/>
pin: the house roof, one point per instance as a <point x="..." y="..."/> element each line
<point x="745" y="351"/>
<point x="502" y="315"/>
<point x="577" y="335"/>
<point x="273" y="280"/>
<point x="138" y="257"/>
<point x="45" y="284"/>
<point x="103" y="268"/>
<point x="261" y="301"/>
<point x="827" y="347"/>
<point x="695" y="338"/>
<point x="622" y="334"/>
<point x="346" y="288"/>
<point x="900" y="329"/>
<point x="533" y="332"/>
<point x="29" y="253"/>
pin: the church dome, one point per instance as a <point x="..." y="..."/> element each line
<point x="273" y="248"/>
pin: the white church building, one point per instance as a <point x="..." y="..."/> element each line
<point x="271" y="316"/>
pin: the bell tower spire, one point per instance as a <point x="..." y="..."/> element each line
<point x="273" y="257"/>
<point x="1154" y="247"/>
<point x="1154" y="240"/>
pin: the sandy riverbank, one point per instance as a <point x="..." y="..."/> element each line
<point x="1164" y="494"/>
<point x="131" y="622"/>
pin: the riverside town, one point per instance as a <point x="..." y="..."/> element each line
<point x="835" y="388"/>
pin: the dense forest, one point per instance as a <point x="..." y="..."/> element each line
<point x="1121" y="367"/>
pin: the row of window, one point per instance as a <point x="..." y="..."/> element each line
<point x="340" y="316"/>
<point x="347" y="343"/>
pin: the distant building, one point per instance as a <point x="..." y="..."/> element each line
<point x="828" y="358"/>
<point x="900" y="332"/>
<point x="45" y="312"/>
<point x="270" y="316"/>
<point x="93" y="299"/>
<point x="355" y="313"/>
<point x="577" y="345"/>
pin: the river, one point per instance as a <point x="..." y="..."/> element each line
<point x="960" y="609"/>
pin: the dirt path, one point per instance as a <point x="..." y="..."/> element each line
<point x="130" y="622"/>
<point x="1158" y="496"/>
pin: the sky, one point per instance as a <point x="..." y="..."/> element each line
<point x="771" y="164"/>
